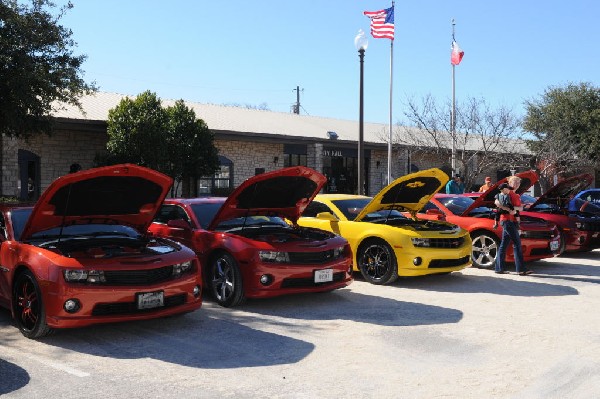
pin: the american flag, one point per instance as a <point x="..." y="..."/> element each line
<point x="382" y="23"/>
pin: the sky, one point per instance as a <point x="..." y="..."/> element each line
<point x="256" y="53"/>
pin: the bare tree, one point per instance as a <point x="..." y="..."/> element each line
<point x="485" y="137"/>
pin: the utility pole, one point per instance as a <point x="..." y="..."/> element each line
<point x="297" y="105"/>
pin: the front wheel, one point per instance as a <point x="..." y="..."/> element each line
<point x="28" y="307"/>
<point x="377" y="262"/>
<point x="484" y="250"/>
<point x="226" y="281"/>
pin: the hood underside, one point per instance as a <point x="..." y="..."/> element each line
<point x="284" y="192"/>
<point x="408" y="193"/>
<point x="120" y="194"/>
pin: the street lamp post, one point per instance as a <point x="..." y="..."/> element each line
<point x="361" y="43"/>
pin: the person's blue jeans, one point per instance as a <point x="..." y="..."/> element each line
<point x="510" y="232"/>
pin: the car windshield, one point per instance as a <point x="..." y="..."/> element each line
<point x="205" y="212"/>
<point x="88" y="230"/>
<point x="19" y="218"/>
<point x="251" y="221"/>
<point x="352" y="207"/>
<point x="459" y="204"/>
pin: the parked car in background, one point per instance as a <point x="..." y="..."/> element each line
<point x="82" y="256"/>
<point x="474" y="211"/>
<point x="583" y="198"/>
<point x="385" y="242"/>
<point x="250" y="244"/>
<point x="578" y="221"/>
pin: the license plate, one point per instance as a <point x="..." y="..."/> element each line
<point x="554" y="245"/>
<point x="150" y="300"/>
<point x="323" y="276"/>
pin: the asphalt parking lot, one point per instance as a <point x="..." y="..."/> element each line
<point x="471" y="334"/>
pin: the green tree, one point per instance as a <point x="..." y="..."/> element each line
<point x="37" y="66"/>
<point x="565" y="122"/>
<point x="136" y="132"/>
<point x="191" y="150"/>
<point x="171" y="140"/>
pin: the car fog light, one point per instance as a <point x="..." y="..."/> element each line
<point x="417" y="261"/>
<point x="266" y="279"/>
<point x="72" y="305"/>
<point x="196" y="291"/>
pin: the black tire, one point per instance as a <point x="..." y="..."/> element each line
<point x="28" y="307"/>
<point x="377" y="262"/>
<point x="226" y="281"/>
<point x="484" y="249"/>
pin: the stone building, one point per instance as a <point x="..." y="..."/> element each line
<point x="249" y="142"/>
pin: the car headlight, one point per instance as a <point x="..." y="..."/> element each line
<point x="181" y="268"/>
<point x="421" y="242"/>
<point x="84" y="276"/>
<point x="274" y="256"/>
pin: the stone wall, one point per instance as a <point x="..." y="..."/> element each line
<point x="248" y="156"/>
<point x="56" y="152"/>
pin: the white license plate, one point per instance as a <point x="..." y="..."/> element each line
<point x="150" y="300"/>
<point x="323" y="276"/>
<point x="554" y="245"/>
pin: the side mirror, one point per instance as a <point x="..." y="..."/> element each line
<point x="179" y="224"/>
<point x="327" y="216"/>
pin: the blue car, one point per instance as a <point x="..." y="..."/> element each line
<point x="586" y="201"/>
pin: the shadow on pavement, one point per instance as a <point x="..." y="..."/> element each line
<point x="348" y="305"/>
<point x="12" y="377"/>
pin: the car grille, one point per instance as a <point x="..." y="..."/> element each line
<point x="541" y="251"/>
<point x="124" y="308"/>
<point x="442" y="263"/>
<point x="138" y="277"/>
<point x="309" y="281"/>
<point x="442" y="243"/>
<point x="311" y="258"/>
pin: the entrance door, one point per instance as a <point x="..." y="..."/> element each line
<point x="29" y="175"/>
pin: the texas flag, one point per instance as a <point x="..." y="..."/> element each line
<point x="457" y="54"/>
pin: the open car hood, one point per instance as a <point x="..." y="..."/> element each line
<point x="408" y="193"/>
<point x="284" y="192"/>
<point x="487" y="198"/>
<point x="119" y="194"/>
<point x="561" y="193"/>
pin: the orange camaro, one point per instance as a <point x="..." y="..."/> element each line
<point x="81" y="255"/>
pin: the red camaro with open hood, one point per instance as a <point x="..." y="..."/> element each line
<point x="250" y="244"/>
<point x="82" y="256"/>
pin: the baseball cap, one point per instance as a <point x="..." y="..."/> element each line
<point x="504" y="185"/>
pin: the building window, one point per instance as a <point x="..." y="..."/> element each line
<point x="294" y="160"/>
<point x="294" y="155"/>
<point x="219" y="184"/>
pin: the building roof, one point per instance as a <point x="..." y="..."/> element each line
<point x="245" y="120"/>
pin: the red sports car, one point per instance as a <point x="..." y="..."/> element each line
<point x="539" y="238"/>
<point x="580" y="227"/>
<point x="82" y="256"/>
<point x="247" y="247"/>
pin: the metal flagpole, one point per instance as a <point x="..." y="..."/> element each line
<point x="389" y="163"/>
<point x="453" y="114"/>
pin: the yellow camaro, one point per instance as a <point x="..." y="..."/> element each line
<point x="386" y="243"/>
